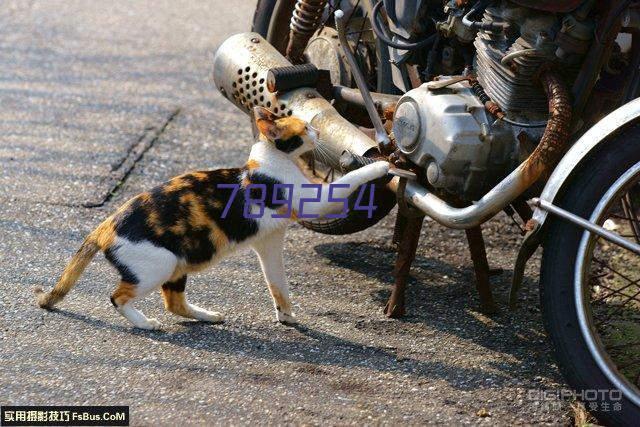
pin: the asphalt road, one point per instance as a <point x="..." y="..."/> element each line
<point x="92" y="93"/>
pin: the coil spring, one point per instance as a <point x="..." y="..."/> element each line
<point x="306" y="16"/>
<point x="480" y="93"/>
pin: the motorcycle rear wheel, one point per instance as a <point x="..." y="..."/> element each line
<point x="590" y="312"/>
<point x="271" y="20"/>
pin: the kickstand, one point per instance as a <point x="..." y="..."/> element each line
<point x="406" y="236"/>
<point x="481" y="268"/>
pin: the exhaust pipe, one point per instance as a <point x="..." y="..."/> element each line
<point x="240" y="72"/>
<point x="240" y="69"/>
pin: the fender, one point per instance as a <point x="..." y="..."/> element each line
<point x="596" y="137"/>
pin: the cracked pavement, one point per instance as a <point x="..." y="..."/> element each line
<point x="95" y="92"/>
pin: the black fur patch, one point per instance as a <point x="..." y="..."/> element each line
<point x="126" y="274"/>
<point x="177" y="286"/>
<point x="235" y="225"/>
<point x="289" y="145"/>
<point x="172" y="228"/>
<point x="269" y="182"/>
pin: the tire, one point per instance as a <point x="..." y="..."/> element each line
<point x="271" y="20"/>
<point x="561" y="245"/>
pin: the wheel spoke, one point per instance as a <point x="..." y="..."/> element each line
<point x="619" y="346"/>
<point x="626" y="365"/>
<point x="613" y="292"/>
<point x="617" y="310"/>
<point x="352" y="12"/>
<point x="364" y="21"/>
<point x="605" y="265"/>
<point x="624" y="217"/>
<point x="629" y="208"/>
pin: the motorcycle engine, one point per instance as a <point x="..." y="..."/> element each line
<point x="447" y="130"/>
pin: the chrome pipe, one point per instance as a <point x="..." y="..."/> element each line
<point x="590" y="226"/>
<point x="468" y="217"/>
<point x="384" y="103"/>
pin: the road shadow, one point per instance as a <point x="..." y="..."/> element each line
<point x="311" y="348"/>
<point x="453" y="308"/>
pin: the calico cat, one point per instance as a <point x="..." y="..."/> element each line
<point x="158" y="237"/>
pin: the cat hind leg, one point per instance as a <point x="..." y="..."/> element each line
<point x="122" y="299"/>
<point x="143" y="267"/>
<point x="176" y="302"/>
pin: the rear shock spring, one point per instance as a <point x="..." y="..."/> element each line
<point x="304" y="22"/>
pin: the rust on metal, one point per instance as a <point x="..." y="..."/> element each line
<point x="493" y="108"/>
<point x="553" y="143"/>
<point x="481" y="269"/>
<point x="406" y="236"/>
<point x="530" y="225"/>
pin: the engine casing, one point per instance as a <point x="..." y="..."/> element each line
<point x="449" y="132"/>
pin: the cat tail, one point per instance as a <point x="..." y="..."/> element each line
<point x="72" y="272"/>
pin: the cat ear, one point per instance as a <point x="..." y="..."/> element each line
<point x="261" y="113"/>
<point x="265" y="121"/>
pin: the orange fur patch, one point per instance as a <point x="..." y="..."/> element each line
<point x="291" y="126"/>
<point x="200" y="176"/>
<point x="197" y="214"/>
<point x="219" y="239"/>
<point x="293" y="214"/>
<point x="253" y="164"/>
<point x="175" y="302"/>
<point x="124" y="293"/>
<point x="105" y="234"/>
<point x="282" y="304"/>
<point x="176" y="184"/>
<point x="178" y="228"/>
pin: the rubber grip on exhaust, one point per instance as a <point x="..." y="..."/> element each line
<point x="291" y="77"/>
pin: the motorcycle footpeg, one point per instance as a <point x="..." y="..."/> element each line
<point x="350" y="161"/>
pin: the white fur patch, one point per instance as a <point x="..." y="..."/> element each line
<point x="152" y="265"/>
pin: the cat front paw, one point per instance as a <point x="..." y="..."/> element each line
<point x="287" y="319"/>
<point x="149" y="324"/>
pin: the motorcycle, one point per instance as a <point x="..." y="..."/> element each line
<point x="482" y="106"/>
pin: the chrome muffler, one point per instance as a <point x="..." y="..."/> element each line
<point x="240" y="69"/>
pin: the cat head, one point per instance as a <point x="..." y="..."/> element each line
<point x="290" y="135"/>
